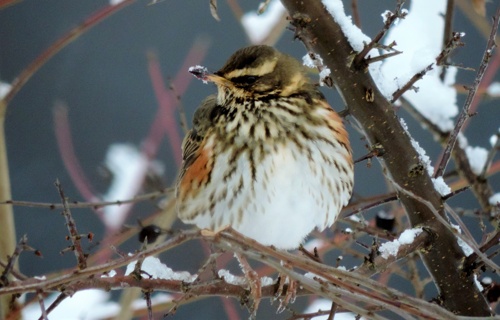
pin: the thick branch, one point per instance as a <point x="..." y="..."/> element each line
<point x="321" y="34"/>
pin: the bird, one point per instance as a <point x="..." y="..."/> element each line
<point x="267" y="155"/>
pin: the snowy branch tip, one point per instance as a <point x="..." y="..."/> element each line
<point x="200" y="72"/>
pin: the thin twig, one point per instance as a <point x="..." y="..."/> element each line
<point x="68" y="154"/>
<point x="39" y="296"/>
<point x="492" y="240"/>
<point x="75" y="237"/>
<point x="445" y="223"/>
<point x="355" y="13"/>
<point x="94" y="205"/>
<point x="464" y="114"/>
<point x="382" y="57"/>
<point x="454" y="193"/>
<point x="448" y="21"/>
<point x="389" y="21"/>
<point x="333" y="309"/>
<point x="372" y="205"/>
<point x="60" y="298"/>
<point x="461" y="224"/>
<point x="147" y="296"/>
<point x="410" y="83"/>
<point x="453" y="43"/>
<point x="21" y="246"/>
<point x="489" y="158"/>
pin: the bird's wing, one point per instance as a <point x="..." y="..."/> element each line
<point x="194" y="138"/>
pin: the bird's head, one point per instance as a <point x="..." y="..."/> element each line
<point x="259" y="71"/>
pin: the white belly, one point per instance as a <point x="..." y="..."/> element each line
<point x="288" y="198"/>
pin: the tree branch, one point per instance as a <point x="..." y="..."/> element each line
<point x="323" y="35"/>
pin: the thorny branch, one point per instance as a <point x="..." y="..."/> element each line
<point x="390" y="18"/>
<point x="75" y="237"/>
<point x="464" y="114"/>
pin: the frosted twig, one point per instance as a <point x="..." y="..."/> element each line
<point x="21" y="246"/>
<point x="464" y="114"/>
<point x="75" y="237"/>
<point x="391" y="18"/>
<point x="410" y="83"/>
<point x="489" y="158"/>
<point x="44" y="315"/>
<point x="60" y="298"/>
<point x="94" y="205"/>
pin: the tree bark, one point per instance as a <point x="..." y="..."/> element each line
<point x="444" y="260"/>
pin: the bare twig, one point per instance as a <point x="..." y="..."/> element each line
<point x="489" y="158"/>
<point x="492" y="239"/>
<point x="389" y="21"/>
<point x="410" y="83"/>
<point x="67" y="152"/>
<point x="454" y="193"/>
<point x="75" y="237"/>
<point x="39" y="296"/>
<point x="382" y="57"/>
<point x="355" y="13"/>
<point x="464" y="114"/>
<point x="385" y="199"/>
<point x="448" y="23"/>
<point x="147" y="296"/>
<point x="453" y="43"/>
<point x="445" y="223"/>
<point x="9" y="267"/>
<point x="60" y="298"/>
<point x="93" y="205"/>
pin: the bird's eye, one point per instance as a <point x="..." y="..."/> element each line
<point x="245" y="80"/>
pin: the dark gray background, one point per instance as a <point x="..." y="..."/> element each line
<point x="102" y="76"/>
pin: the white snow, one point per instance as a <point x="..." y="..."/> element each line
<point x="156" y="299"/>
<point x="258" y="26"/>
<point x="486" y="280"/>
<point x="83" y="305"/>
<point x="419" y="36"/>
<point x="467" y="250"/>
<point x="495" y="199"/>
<point x="157" y="270"/>
<point x="4" y="89"/>
<point x="477" y="158"/>
<point x="494" y="89"/>
<point x="314" y="243"/>
<point x="422" y="155"/>
<point x="354" y="35"/>
<point x="382" y="214"/>
<point x="242" y="281"/>
<point x="326" y="305"/>
<point x="129" y="167"/>
<point x="494" y="139"/>
<point x="478" y="284"/>
<point x="312" y="62"/>
<point x="424" y="158"/>
<point x="110" y="274"/>
<point x="441" y="186"/>
<point x="391" y="248"/>
<point x="316" y="62"/>
<point x="323" y="75"/>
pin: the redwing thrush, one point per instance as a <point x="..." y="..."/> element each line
<point x="267" y="155"/>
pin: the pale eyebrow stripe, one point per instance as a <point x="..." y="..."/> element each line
<point x="263" y="69"/>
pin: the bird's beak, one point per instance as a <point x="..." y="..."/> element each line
<point x="218" y="80"/>
<point x="203" y="74"/>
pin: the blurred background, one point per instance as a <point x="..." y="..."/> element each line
<point x="103" y="80"/>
